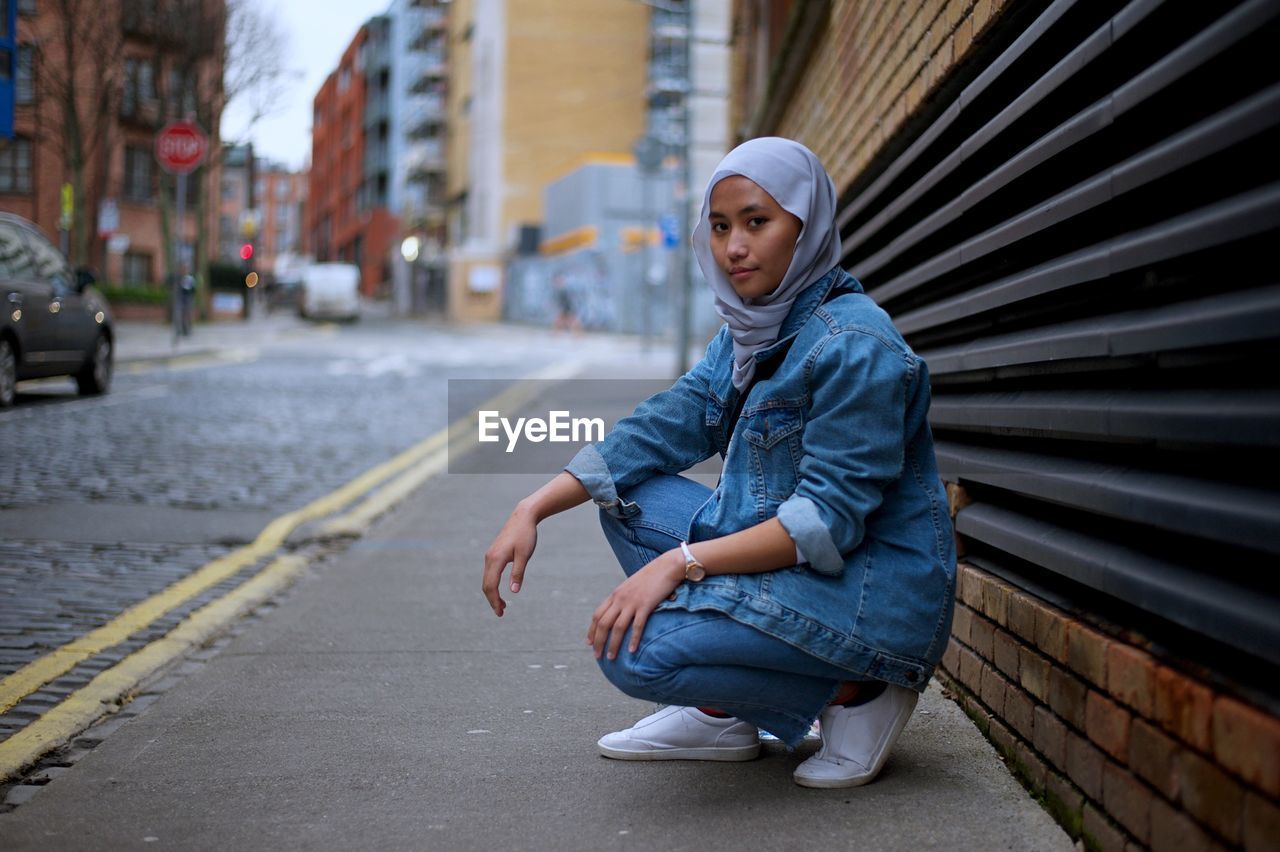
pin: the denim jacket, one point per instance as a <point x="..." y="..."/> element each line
<point x="835" y="444"/>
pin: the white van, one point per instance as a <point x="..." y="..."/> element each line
<point x="330" y="291"/>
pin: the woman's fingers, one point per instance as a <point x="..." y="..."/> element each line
<point x="637" y="629"/>
<point x="493" y="566"/>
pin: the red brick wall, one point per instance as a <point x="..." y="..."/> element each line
<point x="1121" y="746"/>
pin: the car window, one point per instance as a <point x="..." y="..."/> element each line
<point x="50" y="264"/>
<point x="15" y="261"/>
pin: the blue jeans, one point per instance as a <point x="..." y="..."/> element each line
<point x="706" y="659"/>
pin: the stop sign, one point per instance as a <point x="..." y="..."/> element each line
<point x="180" y="147"/>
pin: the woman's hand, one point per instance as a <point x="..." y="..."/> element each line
<point x="632" y="602"/>
<point x="513" y="546"/>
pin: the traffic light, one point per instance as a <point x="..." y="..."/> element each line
<point x="246" y="251"/>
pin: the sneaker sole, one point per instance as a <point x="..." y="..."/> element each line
<point x="727" y="755"/>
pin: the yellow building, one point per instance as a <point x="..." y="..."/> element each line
<point x="534" y="86"/>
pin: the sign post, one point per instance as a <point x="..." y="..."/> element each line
<point x="180" y="147"/>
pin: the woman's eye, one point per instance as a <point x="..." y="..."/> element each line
<point x="756" y="221"/>
<point x="718" y="227"/>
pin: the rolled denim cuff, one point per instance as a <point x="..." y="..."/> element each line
<point x="590" y="468"/>
<point x="799" y="517"/>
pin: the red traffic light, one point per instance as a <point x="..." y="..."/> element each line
<point x="246" y="251"/>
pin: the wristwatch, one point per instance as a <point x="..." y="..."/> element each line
<point x="693" y="569"/>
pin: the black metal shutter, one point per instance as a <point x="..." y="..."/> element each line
<point x="1081" y="236"/>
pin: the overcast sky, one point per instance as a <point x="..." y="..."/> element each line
<point x="316" y="32"/>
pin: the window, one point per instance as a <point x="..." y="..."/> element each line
<point x="139" y="88"/>
<point x="24" y="92"/>
<point x="15" y="261"/>
<point x="137" y="269"/>
<point x="139" y="182"/>
<point x="50" y="265"/>
<point x="282" y="189"/>
<point x="27" y="7"/>
<point x="181" y="93"/>
<point x="15" y="165"/>
<point x="229" y="188"/>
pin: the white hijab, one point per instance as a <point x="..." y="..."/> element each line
<point x="790" y="173"/>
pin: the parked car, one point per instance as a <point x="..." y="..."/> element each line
<point x="330" y="291"/>
<point x="52" y="322"/>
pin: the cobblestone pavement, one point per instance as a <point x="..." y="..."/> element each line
<point x="294" y="419"/>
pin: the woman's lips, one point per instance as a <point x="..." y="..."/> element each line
<point x="740" y="273"/>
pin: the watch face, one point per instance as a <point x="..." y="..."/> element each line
<point x="694" y="572"/>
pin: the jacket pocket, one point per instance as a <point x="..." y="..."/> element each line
<point x="774" y="436"/>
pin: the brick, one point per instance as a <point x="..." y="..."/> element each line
<point x="964" y="37"/>
<point x="970" y="585"/>
<point x="1064" y="802"/>
<point x="1154" y="757"/>
<point x="1128" y="800"/>
<point x="1030" y="766"/>
<point x="1005" y="654"/>
<point x="1174" y="831"/>
<point x="1131" y="677"/>
<point x="1022" y="616"/>
<point x="1261" y="824"/>
<point x="995" y="600"/>
<point x="1247" y="742"/>
<point x="960" y="623"/>
<point x="1084" y="766"/>
<point x="1051" y="737"/>
<point x="1184" y="708"/>
<point x="1019" y="711"/>
<point x="1067" y="697"/>
<point x="982" y="635"/>
<point x="1033" y="673"/>
<point x="1087" y="653"/>
<point x="1107" y="724"/>
<point x="1051" y="632"/>
<point x="951" y="658"/>
<point x="1099" y="833"/>
<point x="1002" y="738"/>
<point x="1211" y="796"/>
<point x="992" y="692"/>
<point x="970" y="669"/>
<point x="957" y="498"/>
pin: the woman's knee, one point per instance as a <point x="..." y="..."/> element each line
<point x="635" y="674"/>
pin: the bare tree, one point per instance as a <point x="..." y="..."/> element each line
<point x="78" y="51"/>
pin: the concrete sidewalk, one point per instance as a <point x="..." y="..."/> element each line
<point x="382" y="706"/>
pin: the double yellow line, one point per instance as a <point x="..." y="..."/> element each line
<point x="397" y="477"/>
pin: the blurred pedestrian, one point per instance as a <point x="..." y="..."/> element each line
<point x="817" y="578"/>
<point x="566" y="311"/>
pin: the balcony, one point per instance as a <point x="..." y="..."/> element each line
<point x="430" y="73"/>
<point x="433" y="18"/>
<point x="669" y="26"/>
<point x="425" y="116"/>
<point x="424" y="159"/>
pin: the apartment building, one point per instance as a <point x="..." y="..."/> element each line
<point x="126" y="68"/>
<point x="533" y="87"/>
<point x="348" y="216"/>
<point x="270" y="218"/>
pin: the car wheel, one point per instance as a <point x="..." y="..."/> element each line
<point x="8" y="373"/>
<point x="95" y="376"/>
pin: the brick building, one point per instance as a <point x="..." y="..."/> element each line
<point x="131" y="68"/>
<point x="276" y="230"/>
<point x="1070" y="212"/>
<point x="347" y="218"/>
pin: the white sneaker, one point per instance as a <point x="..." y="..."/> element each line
<point x="856" y="740"/>
<point x="682" y="733"/>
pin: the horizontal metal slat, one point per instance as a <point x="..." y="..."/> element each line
<point x="1224" y="221"/>
<point x="1227" y="418"/>
<point x="1218" y="320"/>
<point x="1240" y="515"/>
<point x="1146" y="166"/>
<point x="1024" y="42"/>
<point x="1199" y="599"/>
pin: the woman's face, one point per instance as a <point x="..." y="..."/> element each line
<point x="752" y="237"/>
